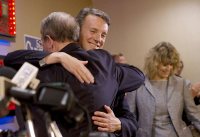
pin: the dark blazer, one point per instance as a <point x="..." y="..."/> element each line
<point x="110" y="80"/>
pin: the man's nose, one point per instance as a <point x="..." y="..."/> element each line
<point x="98" y="37"/>
<point x="98" y="40"/>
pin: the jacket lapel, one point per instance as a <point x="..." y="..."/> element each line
<point x="149" y="86"/>
<point x="170" y="88"/>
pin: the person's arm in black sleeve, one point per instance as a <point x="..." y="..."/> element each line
<point x="17" y="58"/>
<point x="129" y="77"/>
<point x="41" y="58"/>
<point x="128" y="119"/>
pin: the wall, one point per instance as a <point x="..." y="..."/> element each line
<point x="29" y="14"/>
<point x="138" y="25"/>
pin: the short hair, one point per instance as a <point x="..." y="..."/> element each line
<point x="163" y="53"/>
<point x="92" y="11"/>
<point x="60" y="26"/>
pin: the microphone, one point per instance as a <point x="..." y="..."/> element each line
<point x="26" y="76"/>
<point x="21" y="88"/>
<point x="26" y="83"/>
<point x="21" y="82"/>
<point x="18" y="79"/>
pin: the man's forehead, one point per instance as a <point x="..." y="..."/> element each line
<point x="92" y="18"/>
<point x="96" y="23"/>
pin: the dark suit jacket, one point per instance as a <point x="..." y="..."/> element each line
<point x="110" y="79"/>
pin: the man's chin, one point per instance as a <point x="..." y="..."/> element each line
<point x="91" y="47"/>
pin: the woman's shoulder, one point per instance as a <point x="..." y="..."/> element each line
<point x="177" y="78"/>
<point x="180" y="80"/>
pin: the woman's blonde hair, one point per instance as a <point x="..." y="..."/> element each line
<point x="163" y="53"/>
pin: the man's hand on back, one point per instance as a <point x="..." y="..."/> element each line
<point x="106" y="122"/>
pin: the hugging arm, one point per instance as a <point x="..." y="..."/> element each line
<point x="127" y="118"/>
<point x="17" y="58"/>
<point x="129" y="77"/>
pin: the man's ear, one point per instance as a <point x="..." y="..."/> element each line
<point x="49" y="42"/>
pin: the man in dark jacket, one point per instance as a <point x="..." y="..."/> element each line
<point x="94" y="25"/>
<point x="59" y="32"/>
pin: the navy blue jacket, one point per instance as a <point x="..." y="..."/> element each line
<point x="111" y="80"/>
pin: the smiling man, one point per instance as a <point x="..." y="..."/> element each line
<point x="93" y="32"/>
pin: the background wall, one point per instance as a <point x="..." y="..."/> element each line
<point x="138" y="25"/>
<point x="29" y="14"/>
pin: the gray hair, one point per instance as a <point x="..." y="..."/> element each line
<point x="60" y="26"/>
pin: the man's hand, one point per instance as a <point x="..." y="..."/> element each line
<point x="73" y="65"/>
<point x="106" y="122"/>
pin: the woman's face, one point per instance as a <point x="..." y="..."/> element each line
<point x="163" y="72"/>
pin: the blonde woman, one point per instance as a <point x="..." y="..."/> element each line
<point x="160" y="102"/>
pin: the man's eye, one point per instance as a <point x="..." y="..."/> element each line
<point x="93" y="31"/>
<point x="103" y="35"/>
